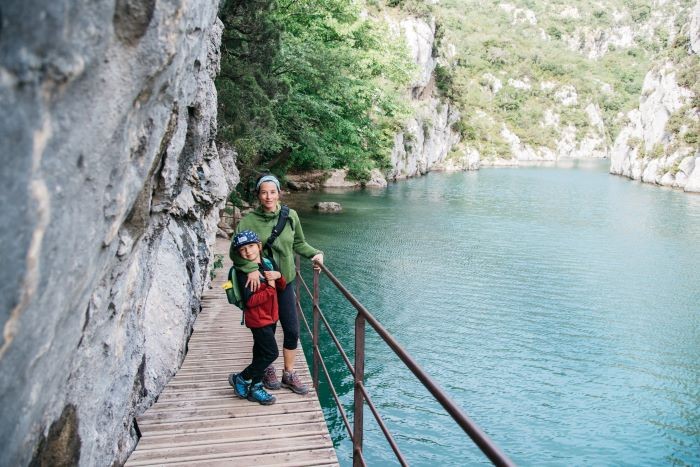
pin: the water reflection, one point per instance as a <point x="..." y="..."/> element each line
<point x="558" y="306"/>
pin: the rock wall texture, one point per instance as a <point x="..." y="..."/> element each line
<point x="111" y="186"/>
<point x="647" y="149"/>
<point x="428" y="136"/>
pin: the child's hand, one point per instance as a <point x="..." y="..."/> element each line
<point x="271" y="283"/>
<point x="272" y="275"/>
<point x="253" y="281"/>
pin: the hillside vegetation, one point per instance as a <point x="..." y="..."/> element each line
<point x="546" y="71"/>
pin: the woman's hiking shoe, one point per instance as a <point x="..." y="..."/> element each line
<point x="270" y="380"/>
<point x="258" y="393"/>
<point x="240" y="386"/>
<point x="291" y="381"/>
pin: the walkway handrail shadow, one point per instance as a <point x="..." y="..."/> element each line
<point x="483" y="442"/>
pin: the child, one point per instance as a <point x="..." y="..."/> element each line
<point x="261" y="315"/>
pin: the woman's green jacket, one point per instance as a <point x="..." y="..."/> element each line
<point x="291" y="240"/>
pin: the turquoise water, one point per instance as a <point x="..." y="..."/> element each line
<point x="560" y="307"/>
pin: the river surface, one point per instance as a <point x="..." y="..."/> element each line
<point x="559" y="306"/>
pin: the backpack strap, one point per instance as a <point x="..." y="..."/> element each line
<point x="281" y="222"/>
<point x="235" y="295"/>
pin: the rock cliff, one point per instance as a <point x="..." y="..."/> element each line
<point x="428" y="136"/>
<point x="661" y="142"/>
<point x="544" y="81"/>
<point x="111" y="187"/>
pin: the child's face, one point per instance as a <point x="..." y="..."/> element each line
<point x="251" y="252"/>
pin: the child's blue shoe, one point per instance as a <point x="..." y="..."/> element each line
<point x="240" y="386"/>
<point x="257" y="393"/>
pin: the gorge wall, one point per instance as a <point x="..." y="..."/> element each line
<point x="428" y="136"/>
<point x="661" y="142"/>
<point x="111" y="189"/>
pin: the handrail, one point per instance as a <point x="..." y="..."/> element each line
<point x="483" y="442"/>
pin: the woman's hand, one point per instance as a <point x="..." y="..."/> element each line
<point x="318" y="258"/>
<point x="253" y="281"/>
<point x="272" y="275"/>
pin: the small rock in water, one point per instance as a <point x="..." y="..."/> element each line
<point x="328" y="206"/>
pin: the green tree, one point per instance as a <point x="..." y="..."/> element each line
<point x="309" y="84"/>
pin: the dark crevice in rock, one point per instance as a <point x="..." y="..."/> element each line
<point x="192" y="146"/>
<point x="138" y="219"/>
<point x="139" y="380"/>
<point x="110" y="204"/>
<point x="192" y="143"/>
<point x="62" y="445"/>
<point x="188" y="255"/>
<point x="85" y="325"/>
<point x="144" y="95"/>
<point x="158" y="193"/>
<point x="132" y="18"/>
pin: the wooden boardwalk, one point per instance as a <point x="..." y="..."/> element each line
<point x="198" y="420"/>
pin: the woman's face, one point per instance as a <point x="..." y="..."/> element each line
<point x="268" y="195"/>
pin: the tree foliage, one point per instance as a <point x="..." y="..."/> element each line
<point x="309" y="84"/>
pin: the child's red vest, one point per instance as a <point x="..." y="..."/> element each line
<point x="262" y="308"/>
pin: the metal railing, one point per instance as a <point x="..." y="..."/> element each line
<point x="355" y="432"/>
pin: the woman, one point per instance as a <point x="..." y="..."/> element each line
<point x="290" y="240"/>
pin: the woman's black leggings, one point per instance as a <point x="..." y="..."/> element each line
<point x="288" y="316"/>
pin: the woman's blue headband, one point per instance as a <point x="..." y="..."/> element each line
<point x="268" y="178"/>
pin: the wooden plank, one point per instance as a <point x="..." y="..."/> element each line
<point x="222" y="408"/>
<point x="230" y="449"/>
<point x="230" y="434"/>
<point x="198" y="420"/>
<point x="231" y="423"/>
<point x="317" y="457"/>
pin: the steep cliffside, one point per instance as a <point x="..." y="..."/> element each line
<point x="428" y="136"/>
<point x="111" y="186"/>
<point x="661" y="143"/>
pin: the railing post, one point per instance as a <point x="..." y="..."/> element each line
<point x="314" y="337"/>
<point x="359" y="397"/>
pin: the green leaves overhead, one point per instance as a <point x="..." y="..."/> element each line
<point x="309" y="84"/>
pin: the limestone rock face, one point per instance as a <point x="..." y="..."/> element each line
<point x="419" y="36"/>
<point x="376" y="179"/>
<point x="645" y="150"/>
<point x="110" y="195"/>
<point x="427" y="137"/>
<point x="627" y="27"/>
<point x="338" y="179"/>
<point x="695" y="29"/>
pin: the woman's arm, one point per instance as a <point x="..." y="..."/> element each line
<point x="300" y="246"/>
